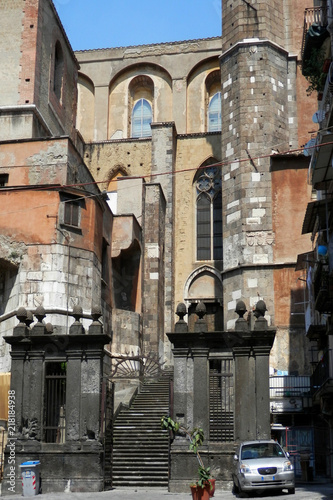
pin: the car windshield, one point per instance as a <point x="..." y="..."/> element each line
<point x="261" y="450"/>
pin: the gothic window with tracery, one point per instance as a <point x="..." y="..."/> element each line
<point x="209" y="214"/>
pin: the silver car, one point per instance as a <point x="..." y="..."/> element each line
<point x="262" y="465"/>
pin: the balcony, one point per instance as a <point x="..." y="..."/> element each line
<point x="287" y="393"/>
<point x="313" y="16"/>
<point x="321" y="379"/>
<point x="320" y="168"/>
<point x="322" y="284"/>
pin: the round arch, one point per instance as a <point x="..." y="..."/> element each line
<point x="205" y="285"/>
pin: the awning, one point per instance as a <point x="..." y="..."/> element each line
<point x="304" y="259"/>
<point x="313" y="210"/>
<point x="320" y="168"/>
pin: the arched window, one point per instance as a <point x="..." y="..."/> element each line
<point x="209" y="214"/>
<point x="58" y="71"/>
<point x="141" y="119"/>
<point x="214" y="113"/>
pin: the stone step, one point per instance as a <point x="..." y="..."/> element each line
<point x="138" y="482"/>
<point x="140" y="446"/>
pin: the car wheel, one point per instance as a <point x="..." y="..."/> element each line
<point x="291" y="491"/>
<point x="241" y="493"/>
<point x="235" y="488"/>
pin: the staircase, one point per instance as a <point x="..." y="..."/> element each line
<point x="140" y="447"/>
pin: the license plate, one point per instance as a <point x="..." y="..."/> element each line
<point x="268" y="478"/>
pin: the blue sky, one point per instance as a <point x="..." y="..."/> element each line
<point x="94" y="24"/>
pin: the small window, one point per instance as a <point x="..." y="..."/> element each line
<point x="70" y="210"/>
<point x="214" y="113"/>
<point x="71" y="213"/>
<point x="3" y="180"/>
<point x="141" y="119"/>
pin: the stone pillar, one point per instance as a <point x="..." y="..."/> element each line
<point x="181" y="394"/>
<point x="101" y="112"/>
<point x="153" y="268"/>
<point x="91" y="379"/>
<point x="179" y="104"/>
<point x="73" y="394"/>
<point x="33" y="412"/>
<point x="245" y="404"/>
<point x="201" y="389"/>
<point x="163" y="162"/>
<point x="262" y="392"/>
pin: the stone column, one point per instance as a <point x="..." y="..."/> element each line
<point x="101" y="112"/>
<point x="245" y="403"/>
<point x="163" y="162"/>
<point x="201" y="389"/>
<point x="262" y="392"/>
<point x="179" y="113"/>
<point x="181" y="393"/>
<point x="153" y="268"/>
<point x="73" y="394"/>
<point x="33" y="387"/>
<point x="91" y="376"/>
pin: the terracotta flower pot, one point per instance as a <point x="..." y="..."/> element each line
<point x="212" y="490"/>
<point x="205" y="493"/>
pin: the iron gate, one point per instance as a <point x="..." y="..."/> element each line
<point x="221" y="400"/>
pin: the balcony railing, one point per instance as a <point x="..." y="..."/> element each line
<point x="313" y="15"/>
<point x="322" y="373"/>
<point x="286" y="386"/>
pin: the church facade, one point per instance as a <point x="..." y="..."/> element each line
<point x="136" y="178"/>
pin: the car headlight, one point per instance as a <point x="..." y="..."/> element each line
<point x="287" y="466"/>
<point x="245" y="469"/>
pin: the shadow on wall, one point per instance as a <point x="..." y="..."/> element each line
<point x="8" y="274"/>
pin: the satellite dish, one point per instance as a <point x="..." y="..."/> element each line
<point x="318" y="116"/>
<point x="308" y="148"/>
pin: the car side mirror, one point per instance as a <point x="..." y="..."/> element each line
<point x="288" y="454"/>
<point x="235" y="457"/>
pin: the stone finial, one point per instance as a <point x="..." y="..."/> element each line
<point x="39" y="327"/>
<point x="200" y="325"/>
<point x="22" y="315"/>
<point x="21" y="330"/>
<point x="241" y="324"/>
<point x="77" y="328"/>
<point x="48" y="328"/>
<point x="77" y="313"/>
<point x="181" y="325"/>
<point x="259" y="313"/>
<point x="96" y="327"/>
<point x="40" y="314"/>
<point x="200" y="310"/>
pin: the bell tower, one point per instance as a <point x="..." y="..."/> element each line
<point x="259" y="116"/>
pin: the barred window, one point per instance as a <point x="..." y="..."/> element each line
<point x="55" y="402"/>
<point x="209" y="214"/>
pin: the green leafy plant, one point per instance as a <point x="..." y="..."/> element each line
<point x="196" y="438"/>
<point x="313" y="71"/>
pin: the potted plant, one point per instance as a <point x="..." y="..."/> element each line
<point x="313" y="71"/>
<point x="204" y="487"/>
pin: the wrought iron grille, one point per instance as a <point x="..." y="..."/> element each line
<point x="55" y="402"/>
<point x="221" y="400"/>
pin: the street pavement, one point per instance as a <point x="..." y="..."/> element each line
<point x="303" y="492"/>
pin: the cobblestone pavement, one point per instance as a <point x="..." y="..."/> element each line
<point x="303" y="492"/>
